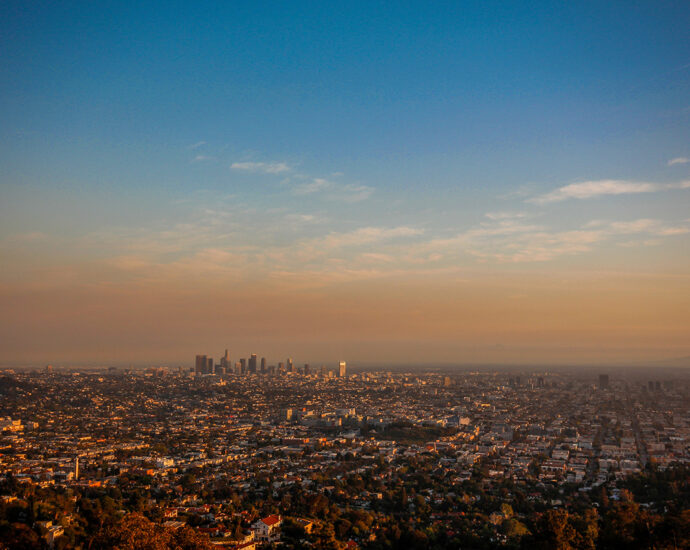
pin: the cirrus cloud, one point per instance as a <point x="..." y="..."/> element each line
<point x="598" y="188"/>
<point x="263" y="167"/>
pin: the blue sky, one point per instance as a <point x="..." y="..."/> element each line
<point x="297" y="141"/>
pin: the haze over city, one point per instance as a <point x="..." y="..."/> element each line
<point x="345" y="276"/>
<point x="447" y="183"/>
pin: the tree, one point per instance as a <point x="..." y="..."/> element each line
<point x="514" y="529"/>
<point x="19" y="535"/>
<point x="135" y="532"/>
<point x="554" y="531"/>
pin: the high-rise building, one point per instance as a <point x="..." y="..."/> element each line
<point x="263" y="365"/>
<point x="342" y="369"/>
<point x="603" y="380"/>
<point x="307" y="369"/>
<point x="243" y="366"/>
<point x="252" y="363"/>
<point x="290" y="365"/>
<point x="203" y="365"/>
<point x="200" y="364"/>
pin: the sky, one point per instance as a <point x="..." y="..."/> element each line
<point x="408" y="182"/>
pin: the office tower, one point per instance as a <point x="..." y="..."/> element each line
<point x="238" y="367"/>
<point x="342" y="369"/>
<point x="209" y="365"/>
<point x="252" y="363"/>
<point x="243" y="366"/>
<point x="225" y="363"/>
<point x="281" y="368"/>
<point x="290" y="366"/>
<point x="540" y="382"/>
<point x="200" y="364"/>
<point x="603" y="381"/>
<point x="286" y="414"/>
<point x="307" y="369"/>
<point x="263" y="365"/>
<point x="323" y="370"/>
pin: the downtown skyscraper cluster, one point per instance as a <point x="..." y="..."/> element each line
<point x="204" y="365"/>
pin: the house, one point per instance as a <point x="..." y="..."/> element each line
<point x="268" y="528"/>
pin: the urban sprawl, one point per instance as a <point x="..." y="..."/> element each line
<point x="249" y="455"/>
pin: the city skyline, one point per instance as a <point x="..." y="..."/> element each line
<point x="479" y="183"/>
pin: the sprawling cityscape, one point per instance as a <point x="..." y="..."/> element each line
<point x="248" y="455"/>
<point x="362" y="275"/>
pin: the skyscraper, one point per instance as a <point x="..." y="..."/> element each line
<point x="203" y="365"/>
<point x="263" y="365"/>
<point x="225" y="363"/>
<point x="342" y="369"/>
<point x="603" y="380"/>
<point x="252" y="363"/>
<point x="290" y="365"/>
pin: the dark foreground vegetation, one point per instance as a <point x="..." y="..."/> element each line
<point x="651" y="510"/>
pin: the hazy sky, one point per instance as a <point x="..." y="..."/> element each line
<point x="398" y="181"/>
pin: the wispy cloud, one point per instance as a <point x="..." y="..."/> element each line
<point x="313" y="186"/>
<point x="365" y="235"/>
<point x="202" y="158"/>
<point x="506" y="215"/>
<point x="263" y="167"/>
<point x="304" y="218"/>
<point x="196" y="145"/>
<point x="353" y="193"/>
<point x="678" y="160"/>
<point x="598" y="188"/>
<point x="509" y="240"/>
<point x="347" y="192"/>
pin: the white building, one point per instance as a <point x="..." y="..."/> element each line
<point x="268" y="529"/>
